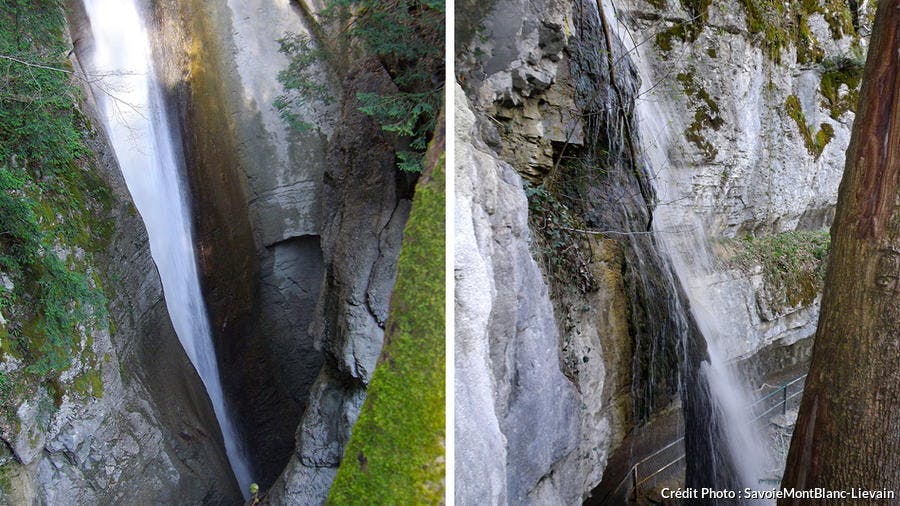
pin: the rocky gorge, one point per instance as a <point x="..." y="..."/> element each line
<point x="297" y="233"/>
<point x="643" y="186"/>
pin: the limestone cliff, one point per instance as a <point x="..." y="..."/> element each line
<point x="299" y="231"/>
<point x="516" y="413"/>
<point x="753" y="129"/>
<point x="257" y="192"/>
<point x="298" y="236"/>
<point x="721" y="123"/>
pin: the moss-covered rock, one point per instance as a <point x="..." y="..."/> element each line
<point x="687" y="30"/>
<point x="792" y="263"/>
<point x="778" y="25"/>
<point x="783" y="24"/>
<point x="54" y="213"/>
<point x="396" y="452"/>
<point x="841" y="78"/>
<point x="706" y="115"/>
<point x="815" y="142"/>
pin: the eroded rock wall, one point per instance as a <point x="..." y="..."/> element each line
<point x="257" y="190"/>
<point x="747" y="138"/>
<point x="366" y="203"/>
<point x="516" y="414"/>
<point x="142" y="429"/>
<point x="528" y="103"/>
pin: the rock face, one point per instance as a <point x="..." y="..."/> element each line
<point x="516" y="412"/>
<point x="728" y="134"/>
<point x="592" y="340"/>
<point x="299" y="233"/>
<point x="365" y="206"/>
<point x="257" y="193"/>
<point x="152" y="436"/>
<point x="144" y="430"/>
<point x="728" y="128"/>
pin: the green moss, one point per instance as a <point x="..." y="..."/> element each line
<point x="793" y="264"/>
<point x="782" y="24"/>
<point x="840" y="19"/>
<point x="5" y="481"/>
<point x="54" y="208"/>
<point x="706" y="115"/>
<point x="841" y="71"/>
<point x="823" y="137"/>
<point x="396" y="452"/>
<point x="687" y="30"/>
<point x="7" y="398"/>
<point x="815" y="142"/>
<point x="89" y="383"/>
<point x="808" y="49"/>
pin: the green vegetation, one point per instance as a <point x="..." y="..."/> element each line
<point x="705" y="116"/>
<point x="815" y="142"/>
<point x="563" y="252"/>
<point x="838" y="71"/>
<point x="396" y="452"/>
<point x="52" y="206"/>
<point x="302" y="90"/>
<point x="784" y="23"/>
<point x="778" y="24"/>
<point x="407" y="36"/>
<point x="688" y="30"/>
<point x="793" y="263"/>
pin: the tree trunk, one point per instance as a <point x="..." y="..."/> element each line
<point x="848" y="432"/>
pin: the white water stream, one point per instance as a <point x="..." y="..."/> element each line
<point x="681" y="235"/>
<point x="130" y="99"/>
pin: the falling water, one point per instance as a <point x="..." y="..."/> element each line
<point x="130" y="99"/>
<point x="681" y="236"/>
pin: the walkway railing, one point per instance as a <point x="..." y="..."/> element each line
<point x="650" y="466"/>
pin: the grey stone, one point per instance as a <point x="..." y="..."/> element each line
<point x="519" y="101"/>
<point x="515" y="411"/>
<point x="365" y="206"/>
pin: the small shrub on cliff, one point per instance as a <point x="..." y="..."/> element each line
<point x="837" y="71"/>
<point x="563" y="251"/>
<point x="407" y="36"/>
<point x="302" y="90"/>
<point x="815" y="141"/>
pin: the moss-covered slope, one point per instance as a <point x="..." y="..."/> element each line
<point x="396" y="452"/>
<point x="52" y="214"/>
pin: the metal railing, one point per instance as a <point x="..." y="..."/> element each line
<point x="782" y="401"/>
<point x="761" y="408"/>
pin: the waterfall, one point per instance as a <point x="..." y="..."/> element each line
<point x="131" y="101"/>
<point x="738" y="448"/>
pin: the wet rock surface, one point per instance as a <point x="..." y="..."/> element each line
<point x="257" y="190"/>
<point x="732" y="160"/>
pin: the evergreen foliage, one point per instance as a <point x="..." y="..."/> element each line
<point x="407" y="36"/>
